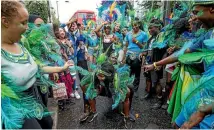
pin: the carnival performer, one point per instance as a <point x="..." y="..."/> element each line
<point x="154" y="54"/>
<point x="37" y="20"/>
<point x="135" y="41"/>
<point x="187" y="99"/>
<point x="92" y="42"/>
<point x="118" y="45"/>
<point x="45" y="32"/>
<point x="19" y="68"/>
<point x="113" y="59"/>
<point x="107" y="38"/>
<point x="106" y="81"/>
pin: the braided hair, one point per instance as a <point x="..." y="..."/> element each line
<point x="181" y="26"/>
<point x="10" y="8"/>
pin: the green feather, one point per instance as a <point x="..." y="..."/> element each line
<point x="116" y="82"/>
<point x="7" y="92"/>
<point x="86" y="80"/>
<point x="17" y="106"/>
<point x="200" y="13"/>
<point x="81" y="70"/>
<point x="101" y="58"/>
<point x="91" y="92"/>
<point x="197" y="57"/>
<point x="131" y="80"/>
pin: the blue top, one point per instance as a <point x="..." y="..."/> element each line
<point x="92" y="42"/>
<point x="81" y="51"/>
<point x="203" y="42"/>
<point x="141" y="37"/>
<point x="199" y="43"/>
<point x="191" y="106"/>
<point x="81" y="55"/>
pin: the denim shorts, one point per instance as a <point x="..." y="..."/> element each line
<point x="92" y="51"/>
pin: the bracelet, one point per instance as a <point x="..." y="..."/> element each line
<point x="137" y="42"/>
<point x="155" y="65"/>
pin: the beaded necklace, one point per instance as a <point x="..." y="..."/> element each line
<point x="23" y="58"/>
<point x="135" y="35"/>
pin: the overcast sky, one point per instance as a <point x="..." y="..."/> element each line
<point x="67" y="9"/>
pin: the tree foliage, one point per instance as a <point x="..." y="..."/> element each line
<point x="150" y="4"/>
<point x="38" y="7"/>
<point x="54" y="19"/>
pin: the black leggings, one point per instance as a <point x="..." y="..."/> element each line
<point x="135" y="66"/>
<point x="44" y="123"/>
<point x="84" y="65"/>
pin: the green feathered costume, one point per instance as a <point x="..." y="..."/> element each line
<point x="116" y="82"/>
<point x="16" y="106"/>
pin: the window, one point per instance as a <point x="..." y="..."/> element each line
<point x="90" y="16"/>
<point x="81" y="15"/>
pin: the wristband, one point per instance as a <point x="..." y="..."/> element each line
<point x="136" y="42"/>
<point x="155" y="65"/>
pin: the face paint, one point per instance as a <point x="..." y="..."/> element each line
<point x="200" y="13"/>
<point x="195" y="11"/>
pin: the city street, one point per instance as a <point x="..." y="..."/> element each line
<point x="147" y="117"/>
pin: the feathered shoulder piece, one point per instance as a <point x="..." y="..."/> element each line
<point x="41" y="44"/>
<point x="121" y="82"/>
<point x="17" y="106"/>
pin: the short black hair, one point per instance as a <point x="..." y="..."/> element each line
<point x="210" y="5"/>
<point x="181" y="25"/>
<point x="136" y="18"/>
<point x="32" y="18"/>
<point x="157" y="22"/>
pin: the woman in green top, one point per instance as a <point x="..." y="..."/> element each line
<point x="16" y="62"/>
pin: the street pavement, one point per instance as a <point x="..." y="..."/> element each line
<point x="147" y="117"/>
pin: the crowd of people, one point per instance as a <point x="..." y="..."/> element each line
<point x="108" y="60"/>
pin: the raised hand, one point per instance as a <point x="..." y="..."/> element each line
<point x="68" y="64"/>
<point x="105" y="22"/>
<point x="171" y="50"/>
<point x="134" y="40"/>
